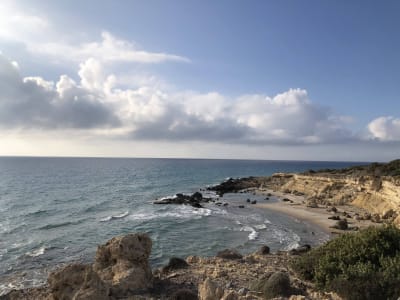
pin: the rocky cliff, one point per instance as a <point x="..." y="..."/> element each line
<point x="374" y="187"/>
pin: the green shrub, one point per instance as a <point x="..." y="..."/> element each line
<point x="362" y="265"/>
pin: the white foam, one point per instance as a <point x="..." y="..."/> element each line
<point x="36" y="252"/>
<point x="253" y="233"/>
<point x="120" y="216"/>
<point x="261" y="226"/>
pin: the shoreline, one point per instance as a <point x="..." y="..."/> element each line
<point x="296" y="207"/>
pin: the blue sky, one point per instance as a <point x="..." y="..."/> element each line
<point x="262" y="79"/>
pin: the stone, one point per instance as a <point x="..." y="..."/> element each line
<point x="376" y="218"/>
<point x="184" y="294"/>
<point x="241" y="206"/>
<point x="175" y="263"/>
<point x="192" y="259"/>
<point x="209" y="290"/>
<point x="341" y="224"/>
<point x="197" y="196"/>
<point x="264" y="250"/>
<point x="123" y="263"/>
<point x="77" y="281"/>
<point x="277" y="285"/>
<point x="300" y="250"/>
<point x="229" y="254"/>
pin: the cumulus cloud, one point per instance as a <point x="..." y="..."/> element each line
<point x="33" y="102"/>
<point x="385" y="129"/>
<point x="100" y="101"/>
<point x="148" y="113"/>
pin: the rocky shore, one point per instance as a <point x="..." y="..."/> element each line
<point x="121" y="271"/>
<point x="363" y="193"/>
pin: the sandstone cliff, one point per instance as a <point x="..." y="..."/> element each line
<point x="374" y="187"/>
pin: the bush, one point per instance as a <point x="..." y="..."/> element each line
<point x="362" y="265"/>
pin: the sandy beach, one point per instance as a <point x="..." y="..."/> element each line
<point x="295" y="206"/>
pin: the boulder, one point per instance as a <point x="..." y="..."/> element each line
<point x="183" y="294"/>
<point x="300" y="250"/>
<point x="197" y="197"/>
<point x="175" y="263"/>
<point x="209" y="290"/>
<point x="254" y="202"/>
<point x="123" y="263"/>
<point x="229" y="254"/>
<point x="77" y="281"/>
<point x="264" y="250"/>
<point x="277" y="285"/>
<point x="341" y="224"/>
<point x="376" y="218"/>
<point x="273" y="285"/>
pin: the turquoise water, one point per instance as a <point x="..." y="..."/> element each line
<point x="57" y="210"/>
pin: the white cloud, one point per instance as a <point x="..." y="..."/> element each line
<point x="108" y="49"/>
<point x="385" y="129"/>
<point x="97" y="103"/>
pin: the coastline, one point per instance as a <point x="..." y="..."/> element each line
<point x="297" y="208"/>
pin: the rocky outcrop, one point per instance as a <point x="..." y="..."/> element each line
<point x="193" y="200"/>
<point x="123" y="263"/>
<point x="235" y="185"/>
<point x="121" y="269"/>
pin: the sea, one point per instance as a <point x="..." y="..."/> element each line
<point x="54" y="211"/>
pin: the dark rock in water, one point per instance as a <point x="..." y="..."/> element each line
<point x="197" y="197"/>
<point x="254" y="202"/>
<point x="241" y="206"/>
<point x="193" y="200"/>
<point x="285" y="199"/>
<point x="175" y="263"/>
<point x="301" y="249"/>
<point x="225" y="204"/>
<point x="235" y="185"/>
<point x="266" y="198"/>
<point x="184" y="294"/>
<point x="269" y="194"/>
<point x="229" y="254"/>
<point x="336" y="218"/>
<point x="264" y="250"/>
<point x="248" y="200"/>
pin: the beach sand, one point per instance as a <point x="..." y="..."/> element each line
<point x="296" y="207"/>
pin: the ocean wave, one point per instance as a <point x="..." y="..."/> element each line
<point x="36" y="252"/>
<point x="261" y="226"/>
<point x="56" y="225"/>
<point x="37" y="213"/>
<point x="120" y="216"/>
<point x="253" y="233"/>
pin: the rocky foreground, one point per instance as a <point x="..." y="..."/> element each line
<point x="121" y="270"/>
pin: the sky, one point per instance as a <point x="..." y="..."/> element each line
<point x="288" y="80"/>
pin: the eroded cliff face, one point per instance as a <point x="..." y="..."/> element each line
<point x="376" y="194"/>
